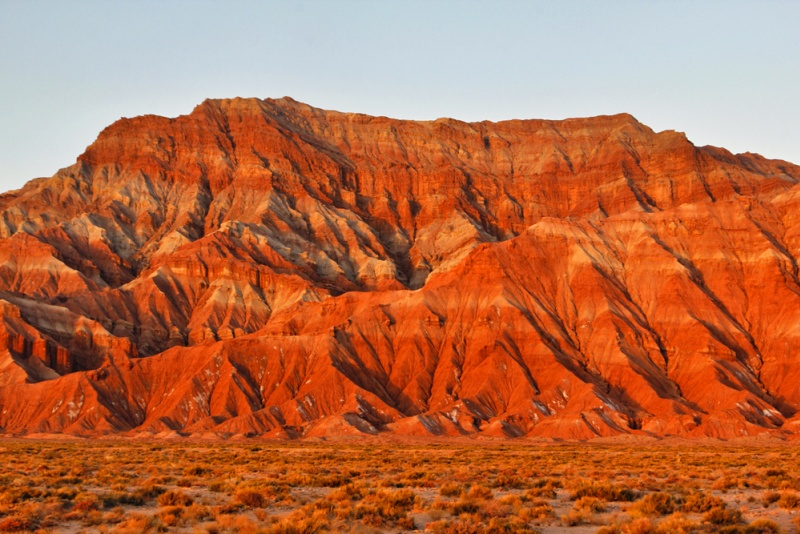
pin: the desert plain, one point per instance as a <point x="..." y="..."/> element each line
<point x="453" y="486"/>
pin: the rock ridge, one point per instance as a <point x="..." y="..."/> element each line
<point x="264" y="267"/>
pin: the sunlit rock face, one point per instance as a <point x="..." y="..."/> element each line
<point x="268" y="268"/>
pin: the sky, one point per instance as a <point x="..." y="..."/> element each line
<point x="727" y="73"/>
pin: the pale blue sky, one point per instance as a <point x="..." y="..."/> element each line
<point x="725" y="72"/>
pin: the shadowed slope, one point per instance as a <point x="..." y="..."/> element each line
<point x="317" y="272"/>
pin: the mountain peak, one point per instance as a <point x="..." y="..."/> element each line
<point x="261" y="266"/>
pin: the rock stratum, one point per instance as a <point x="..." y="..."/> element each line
<point x="263" y="267"/>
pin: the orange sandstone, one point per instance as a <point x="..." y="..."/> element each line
<point x="268" y="268"/>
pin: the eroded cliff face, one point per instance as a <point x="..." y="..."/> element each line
<point x="268" y="268"/>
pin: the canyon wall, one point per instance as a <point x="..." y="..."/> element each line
<point x="269" y="268"/>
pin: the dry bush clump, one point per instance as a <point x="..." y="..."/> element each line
<point x="700" y="502"/>
<point x="674" y="524"/>
<point x="300" y="522"/>
<point x="250" y="498"/>
<point x="383" y="507"/>
<point x="583" y="511"/>
<point x="16" y="524"/>
<point x="655" y="504"/>
<point x="591" y="504"/>
<point x="723" y="516"/>
<point x="764" y="526"/>
<point x="542" y="489"/>
<point x="137" y="523"/>
<point x="451" y="489"/>
<point x="607" y="492"/>
<point x="479" y="492"/>
<point x="466" y="526"/>
<point x="770" y="497"/>
<point x="508" y="481"/>
<point x="789" y="500"/>
<point x="536" y="512"/>
<point x="174" y="498"/>
<point x="577" y="517"/>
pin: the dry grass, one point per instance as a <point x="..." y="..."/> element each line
<point x="302" y="487"/>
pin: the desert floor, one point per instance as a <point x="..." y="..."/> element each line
<point x="384" y="486"/>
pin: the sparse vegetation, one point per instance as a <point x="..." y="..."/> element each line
<point x="298" y="487"/>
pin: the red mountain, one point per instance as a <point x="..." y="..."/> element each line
<point x="265" y="267"/>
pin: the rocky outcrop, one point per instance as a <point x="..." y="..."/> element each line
<point x="268" y="268"/>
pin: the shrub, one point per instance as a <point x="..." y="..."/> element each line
<point x="547" y="482"/>
<point x="576" y="517"/>
<point x="464" y="507"/>
<point x="174" y="498"/>
<point x="537" y="510"/>
<point x="196" y="471"/>
<point x="450" y="489"/>
<point x="508" y="482"/>
<point x="384" y="505"/>
<point x="15" y="524"/>
<point x="789" y="500"/>
<point x="508" y="526"/>
<point x="86" y="503"/>
<point x="655" y="504"/>
<point x="454" y="527"/>
<point x="590" y="504"/>
<point x="217" y="486"/>
<point x="547" y="492"/>
<point x="607" y="492"/>
<point x="66" y="494"/>
<point x="298" y="525"/>
<point x="117" y="515"/>
<point x="543" y="488"/>
<point x="17" y="495"/>
<point x="638" y="526"/>
<point x="699" y="502"/>
<point x="198" y="512"/>
<point x="141" y="523"/>
<point x="770" y="497"/>
<point x="510" y="500"/>
<point x="763" y="526"/>
<point x="723" y="516"/>
<point x="346" y="493"/>
<point x="250" y="498"/>
<point x="116" y="498"/>
<point x="677" y="523"/>
<point x="724" y="484"/>
<point x="149" y="491"/>
<point x="479" y="492"/>
<point x="93" y="518"/>
<point x="171" y="515"/>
